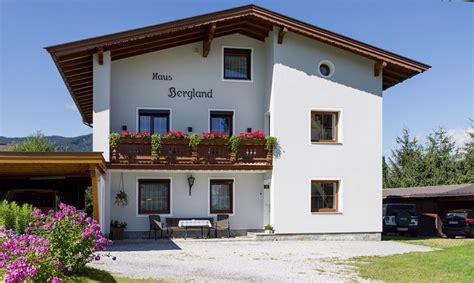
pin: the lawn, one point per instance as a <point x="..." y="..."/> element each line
<point x="451" y="261"/>
<point x="90" y="275"/>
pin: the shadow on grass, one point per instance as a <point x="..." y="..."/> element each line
<point x="91" y="275"/>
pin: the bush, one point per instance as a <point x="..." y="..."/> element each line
<point x="26" y="257"/>
<point x="15" y="217"/>
<point x="73" y="237"/>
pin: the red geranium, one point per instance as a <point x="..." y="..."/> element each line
<point x="215" y="135"/>
<point x="254" y="135"/>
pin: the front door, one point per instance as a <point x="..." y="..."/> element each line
<point x="266" y="202"/>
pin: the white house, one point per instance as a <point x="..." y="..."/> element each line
<point x="236" y="71"/>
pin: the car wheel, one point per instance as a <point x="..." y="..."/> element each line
<point x="451" y="236"/>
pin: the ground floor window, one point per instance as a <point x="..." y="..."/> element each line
<point x="324" y="196"/>
<point x="154" y="196"/>
<point x="221" y="196"/>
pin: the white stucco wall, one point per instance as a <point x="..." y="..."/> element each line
<point x="248" y="198"/>
<point x="285" y="83"/>
<point x="133" y="87"/>
<point x="101" y="104"/>
<point x="355" y="92"/>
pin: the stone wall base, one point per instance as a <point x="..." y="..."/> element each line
<point x="372" y="236"/>
<point x="191" y="234"/>
<point x="258" y="235"/>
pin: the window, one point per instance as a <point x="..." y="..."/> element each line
<point x="154" y="121"/>
<point x="154" y="196"/>
<point x="324" y="196"/>
<point x="326" y="68"/>
<point x="237" y="64"/>
<point x="221" y="122"/>
<point x="324" y="126"/>
<point x="221" y="196"/>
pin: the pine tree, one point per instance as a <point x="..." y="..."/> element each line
<point x="439" y="160"/>
<point x="406" y="162"/>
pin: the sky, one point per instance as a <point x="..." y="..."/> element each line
<point x="34" y="98"/>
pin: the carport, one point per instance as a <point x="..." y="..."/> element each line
<point x="69" y="173"/>
<point x="432" y="203"/>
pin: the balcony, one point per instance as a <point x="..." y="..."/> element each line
<point x="178" y="154"/>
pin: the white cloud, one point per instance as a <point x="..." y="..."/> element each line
<point x="459" y="135"/>
<point x="70" y="106"/>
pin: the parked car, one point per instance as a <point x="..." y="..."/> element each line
<point x="40" y="198"/>
<point x="459" y="222"/>
<point x="400" y="218"/>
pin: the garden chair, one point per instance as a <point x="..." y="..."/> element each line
<point x="155" y="224"/>
<point x="222" y="223"/>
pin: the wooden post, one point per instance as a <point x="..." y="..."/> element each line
<point x="95" y="194"/>
<point x="378" y="67"/>
<point x="206" y="44"/>
<point x="281" y="34"/>
<point x="100" y="56"/>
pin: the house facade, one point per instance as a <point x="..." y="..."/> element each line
<point x="249" y="73"/>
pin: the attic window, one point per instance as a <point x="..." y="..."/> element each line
<point x="237" y="64"/>
<point x="326" y="68"/>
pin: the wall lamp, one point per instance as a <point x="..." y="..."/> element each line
<point x="191" y="182"/>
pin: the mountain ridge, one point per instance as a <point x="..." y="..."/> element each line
<point x="81" y="143"/>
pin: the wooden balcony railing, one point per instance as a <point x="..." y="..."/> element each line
<point x="178" y="154"/>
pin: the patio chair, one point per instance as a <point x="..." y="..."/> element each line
<point x="155" y="224"/>
<point x="223" y="224"/>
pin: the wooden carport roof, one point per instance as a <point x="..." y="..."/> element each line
<point x="53" y="164"/>
<point x="74" y="59"/>
<point x="38" y="164"/>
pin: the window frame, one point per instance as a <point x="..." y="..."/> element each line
<point x="164" y="111"/>
<point x="232" y="196"/>
<point x="249" y="63"/>
<point x="154" y="180"/>
<point x="338" y="195"/>
<point x="338" y="125"/>
<point x="223" y="113"/>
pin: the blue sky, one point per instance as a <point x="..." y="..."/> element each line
<point x="440" y="33"/>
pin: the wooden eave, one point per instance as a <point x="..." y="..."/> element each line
<point x="74" y="59"/>
<point x="33" y="164"/>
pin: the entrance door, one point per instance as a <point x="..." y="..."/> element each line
<point x="266" y="202"/>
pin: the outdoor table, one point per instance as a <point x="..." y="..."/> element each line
<point x="194" y="224"/>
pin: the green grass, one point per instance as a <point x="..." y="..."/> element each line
<point x="92" y="275"/>
<point x="451" y="261"/>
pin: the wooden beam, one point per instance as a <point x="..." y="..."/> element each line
<point x="95" y="195"/>
<point x="206" y="44"/>
<point x="281" y="34"/>
<point x="100" y="56"/>
<point x="378" y="67"/>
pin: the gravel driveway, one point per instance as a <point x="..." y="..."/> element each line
<point x="235" y="260"/>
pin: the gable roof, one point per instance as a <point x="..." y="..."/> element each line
<point x="74" y="59"/>
<point x="430" y="191"/>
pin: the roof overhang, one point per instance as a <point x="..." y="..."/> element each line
<point x="74" y="59"/>
<point x="43" y="164"/>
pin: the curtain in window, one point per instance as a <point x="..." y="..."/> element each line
<point x="235" y="66"/>
<point x="154" y="197"/>
<point x="221" y="197"/>
<point x="323" y="126"/>
<point x="323" y="195"/>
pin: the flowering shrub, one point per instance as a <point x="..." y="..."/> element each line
<point x="174" y="135"/>
<point x="73" y="237"/>
<point x="26" y="257"/>
<point x="214" y="135"/>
